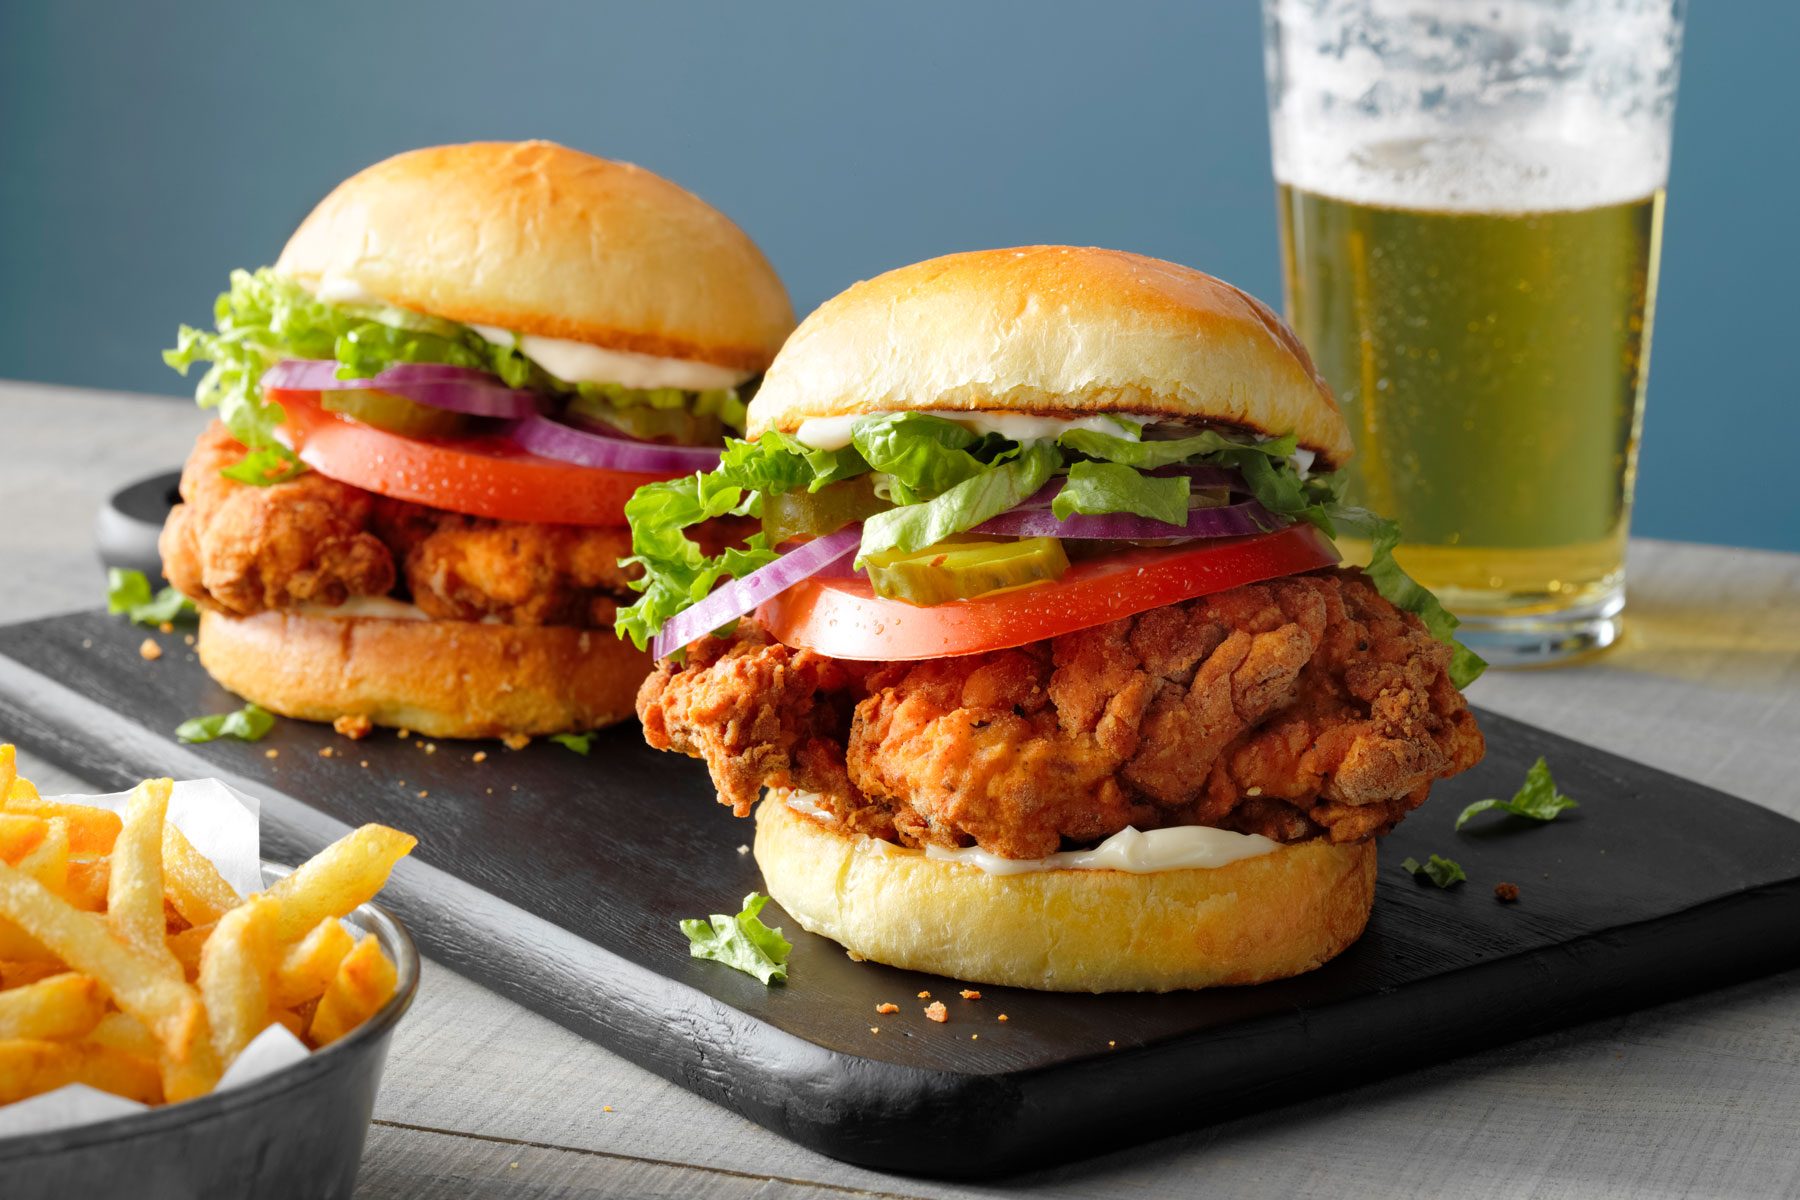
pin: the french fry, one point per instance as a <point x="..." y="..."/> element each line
<point x="122" y="1031"/>
<point x="292" y="1021"/>
<point x="88" y="883"/>
<point x="187" y="946"/>
<point x="134" y="889"/>
<point x="48" y="861"/>
<point x="30" y="1068"/>
<point x="365" y="981"/>
<point x="307" y="968"/>
<point x="192" y="884"/>
<point x="92" y="831"/>
<point x="234" y="976"/>
<point x="61" y="1007"/>
<point x="20" y="833"/>
<point x="9" y="769"/>
<point x="15" y="973"/>
<point x="340" y="877"/>
<point x="138" y="983"/>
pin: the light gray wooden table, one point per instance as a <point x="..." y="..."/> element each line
<point x="1698" y="1098"/>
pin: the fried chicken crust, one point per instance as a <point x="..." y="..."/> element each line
<point x="1307" y="706"/>
<point x="244" y="550"/>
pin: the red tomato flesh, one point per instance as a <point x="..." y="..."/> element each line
<point x="484" y="476"/>
<point x="844" y="618"/>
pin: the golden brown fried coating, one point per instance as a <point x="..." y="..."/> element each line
<point x="245" y="549"/>
<point x="1301" y="707"/>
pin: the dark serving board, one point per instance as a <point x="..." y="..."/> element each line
<point x="558" y="880"/>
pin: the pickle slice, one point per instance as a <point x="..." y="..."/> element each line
<point x="647" y="422"/>
<point x="962" y="570"/>
<point x="814" y="514"/>
<point x="396" y="414"/>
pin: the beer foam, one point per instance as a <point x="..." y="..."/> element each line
<point x="1469" y="106"/>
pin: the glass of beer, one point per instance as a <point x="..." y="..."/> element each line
<point x="1471" y="196"/>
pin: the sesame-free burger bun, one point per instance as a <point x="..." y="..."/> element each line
<point x="447" y="679"/>
<point x="1054" y="331"/>
<point x="540" y="239"/>
<point x="1255" y="920"/>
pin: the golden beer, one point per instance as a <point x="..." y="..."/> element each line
<point x="1492" y="368"/>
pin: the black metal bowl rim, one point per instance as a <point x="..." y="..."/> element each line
<point x="271" y="1087"/>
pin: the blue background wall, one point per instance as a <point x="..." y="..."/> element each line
<point x="145" y="153"/>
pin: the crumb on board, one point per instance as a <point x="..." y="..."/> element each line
<point x="490" y="791"/>
<point x="188" y="638"/>
<point x="423" y="793"/>
<point x="149" y="651"/>
<point x="87" y="643"/>
<point x="935" y="1011"/>
<point x="365" y="764"/>
<point x="606" y="1108"/>
<point x="974" y="1037"/>
<point x="166" y="627"/>
<point x="884" y="1009"/>
<point x="515" y="741"/>
<point x="325" y="752"/>
<point x="1001" y="1017"/>
<point x="874" y="1029"/>
<point x="744" y="848"/>
<point x="924" y="995"/>
<point x="1112" y="1043"/>
<point x="431" y="747"/>
<point x="271" y="752"/>
<point x="969" y="994"/>
<point x="1506" y="893"/>
<point x="403" y="734"/>
<point x="354" y="726"/>
<point x="479" y="756"/>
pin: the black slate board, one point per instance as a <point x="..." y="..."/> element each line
<point x="560" y="887"/>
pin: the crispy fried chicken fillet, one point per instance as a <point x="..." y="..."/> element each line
<point x="1304" y="707"/>
<point x="244" y="550"/>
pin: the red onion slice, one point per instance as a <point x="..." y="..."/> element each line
<point x="1233" y="520"/>
<point x="736" y="597"/>
<point x="439" y="385"/>
<point x="552" y="439"/>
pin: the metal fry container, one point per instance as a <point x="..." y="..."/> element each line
<point x="295" y="1133"/>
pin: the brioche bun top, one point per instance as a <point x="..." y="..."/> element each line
<point x="540" y="239"/>
<point x="1053" y="331"/>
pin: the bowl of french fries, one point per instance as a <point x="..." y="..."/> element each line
<point x="166" y="1031"/>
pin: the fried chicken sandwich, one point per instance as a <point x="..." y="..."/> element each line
<point x="432" y="410"/>
<point x="1042" y="665"/>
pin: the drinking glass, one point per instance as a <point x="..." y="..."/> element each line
<point x="1471" y="202"/>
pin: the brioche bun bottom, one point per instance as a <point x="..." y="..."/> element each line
<point x="447" y="679"/>
<point x="1254" y="920"/>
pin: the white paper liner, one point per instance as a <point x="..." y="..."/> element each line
<point x="222" y="823"/>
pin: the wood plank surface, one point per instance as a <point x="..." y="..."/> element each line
<point x="1698" y="1098"/>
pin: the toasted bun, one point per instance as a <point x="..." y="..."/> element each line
<point x="1056" y="331"/>
<point x="448" y="679"/>
<point x="1069" y="931"/>
<point x="544" y="240"/>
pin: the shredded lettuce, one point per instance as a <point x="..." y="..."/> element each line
<point x="267" y="317"/>
<point x="1537" y="798"/>
<point x="742" y="942"/>
<point x="964" y="506"/>
<point x="128" y="592"/>
<point x="1442" y="872"/>
<point x="1094" y="488"/>
<point x="250" y="723"/>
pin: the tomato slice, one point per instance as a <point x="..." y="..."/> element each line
<point x="844" y="618"/>
<point x="484" y="476"/>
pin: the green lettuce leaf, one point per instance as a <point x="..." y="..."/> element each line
<point x="1440" y="870"/>
<point x="968" y="504"/>
<point x="580" y="743"/>
<point x="266" y="317"/>
<point x="128" y="592"/>
<point x="250" y="723"/>
<point x="1207" y="446"/>
<point x="1402" y="591"/>
<point x="742" y="942"/>
<point x="1537" y="798"/>
<point x="921" y="456"/>
<point x="1103" y="487"/>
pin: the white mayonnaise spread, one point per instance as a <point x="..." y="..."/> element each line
<point x="833" y="433"/>
<point x="385" y="607"/>
<point x="578" y="362"/>
<point x="572" y="362"/>
<point x="1181" y="848"/>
